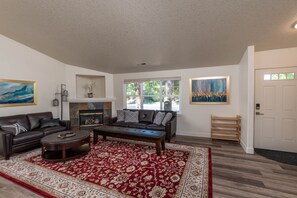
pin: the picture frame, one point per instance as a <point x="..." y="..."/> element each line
<point x="17" y="93"/>
<point x="210" y="90"/>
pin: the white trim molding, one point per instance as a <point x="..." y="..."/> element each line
<point x="248" y="150"/>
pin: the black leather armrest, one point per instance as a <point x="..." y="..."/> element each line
<point x="6" y="143"/>
<point x="170" y="128"/>
<point x="113" y="120"/>
<point x="6" y="132"/>
<point x="66" y="123"/>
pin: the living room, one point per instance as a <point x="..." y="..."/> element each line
<point x="32" y="49"/>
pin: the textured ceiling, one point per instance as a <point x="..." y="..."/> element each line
<point x="116" y="35"/>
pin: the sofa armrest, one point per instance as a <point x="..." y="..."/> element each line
<point x="113" y="120"/>
<point x="6" y="132"/>
<point x="170" y="128"/>
<point x="66" y="123"/>
<point x="6" y="143"/>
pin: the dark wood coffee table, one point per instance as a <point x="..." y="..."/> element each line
<point x="56" y="149"/>
<point x="157" y="137"/>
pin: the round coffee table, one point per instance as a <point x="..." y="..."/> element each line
<point x="57" y="149"/>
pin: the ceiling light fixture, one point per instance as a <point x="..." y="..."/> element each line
<point x="295" y="25"/>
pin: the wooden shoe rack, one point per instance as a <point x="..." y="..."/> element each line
<point x="225" y="128"/>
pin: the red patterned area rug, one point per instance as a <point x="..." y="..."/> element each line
<point x="117" y="169"/>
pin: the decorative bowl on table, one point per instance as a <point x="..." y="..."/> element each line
<point x="66" y="135"/>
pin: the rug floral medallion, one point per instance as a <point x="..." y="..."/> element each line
<point x="118" y="168"/>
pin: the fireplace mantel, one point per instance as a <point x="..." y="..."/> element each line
<point x="82" y="100"/>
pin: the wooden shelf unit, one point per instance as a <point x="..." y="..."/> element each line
<point x="226" y="128"/>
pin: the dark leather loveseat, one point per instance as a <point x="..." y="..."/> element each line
<point x="10" y="143"/>
<point x="145" y="123"/>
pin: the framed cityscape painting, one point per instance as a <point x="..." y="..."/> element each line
<point x="17" y="92"/>
<point x="209" y="90"/>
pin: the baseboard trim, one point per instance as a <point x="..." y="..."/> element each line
<point x="194" y="133"/>
<point x="248" y="150"/>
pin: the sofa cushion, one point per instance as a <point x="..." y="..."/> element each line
<point x="120" y="124"/>
<point x="27" y="137"/>
<point x="34" y="119"/>
<point x="21" y="119"/>
<point x="4" y="122"/>
<point x="146" y="116"/>
<point x="131" y="116"/>
<point x="14" y="128"/>
<point x="137" y="125"/>
<point x="54" y="129"/>
<point x="155" y="127"/>
<point x="49" y="123"/>
<point x="120" y="115"/>
<point x="159" y="117"/>
<point x="167" y="117"/>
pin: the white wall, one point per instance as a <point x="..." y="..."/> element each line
<point x="71" y="72"/>
<point x="243" y="96"/>
<point x="246" y="99"/>
<point x="82" y="84"/>
<point x="194" y="119"/>
<point x="276" y="58"/>
<point x="19" y="62"/>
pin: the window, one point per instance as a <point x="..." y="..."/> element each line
<point x="280" y="76"/>
<point x="267" y="77"/>
<point x="274" y="76"/>
<point x="290" y="76"/>
<point x="153" y="94"/>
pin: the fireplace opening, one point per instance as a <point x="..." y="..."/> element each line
<point x="90" y="118"/>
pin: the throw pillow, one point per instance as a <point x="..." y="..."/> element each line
<point x="49" y="123"/>
<point x="159" y="117"/>
<point x="120" y="115"/>
<point x="166" y="118"/>
<point x="146" y="116"/>
<point x="131" y="116"/>
<point x="35" y="119"/>
<point x="14" y="128"/>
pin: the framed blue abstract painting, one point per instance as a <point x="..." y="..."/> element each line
<point x="17" y="92"/>
<point x="209" y="90"/>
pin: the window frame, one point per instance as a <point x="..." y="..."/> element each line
<point x="142" y="96"/>
<point x="265" y="76"/>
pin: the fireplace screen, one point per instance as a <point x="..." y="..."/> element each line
<point x="90" y="118"/>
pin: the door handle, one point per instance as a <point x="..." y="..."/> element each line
<point x="258" y="113"/>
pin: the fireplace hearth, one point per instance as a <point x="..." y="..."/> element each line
<point x="90" y="118"/>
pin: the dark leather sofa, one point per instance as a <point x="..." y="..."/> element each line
<point x="9" y="143"/>
<point x="146" y="118"/>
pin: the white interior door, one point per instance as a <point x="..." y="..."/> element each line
<point x="276" y="109"/>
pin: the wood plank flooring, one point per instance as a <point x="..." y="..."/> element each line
<point x="241" y="175"/>
<point x="235" y="173"/>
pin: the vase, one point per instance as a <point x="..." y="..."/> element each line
<point x="90" y="95"/>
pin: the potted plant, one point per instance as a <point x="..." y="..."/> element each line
<point x="90" y="88"/>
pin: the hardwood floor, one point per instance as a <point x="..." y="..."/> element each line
<point x="241" y="175"/>
<point x="235" y="174"/>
